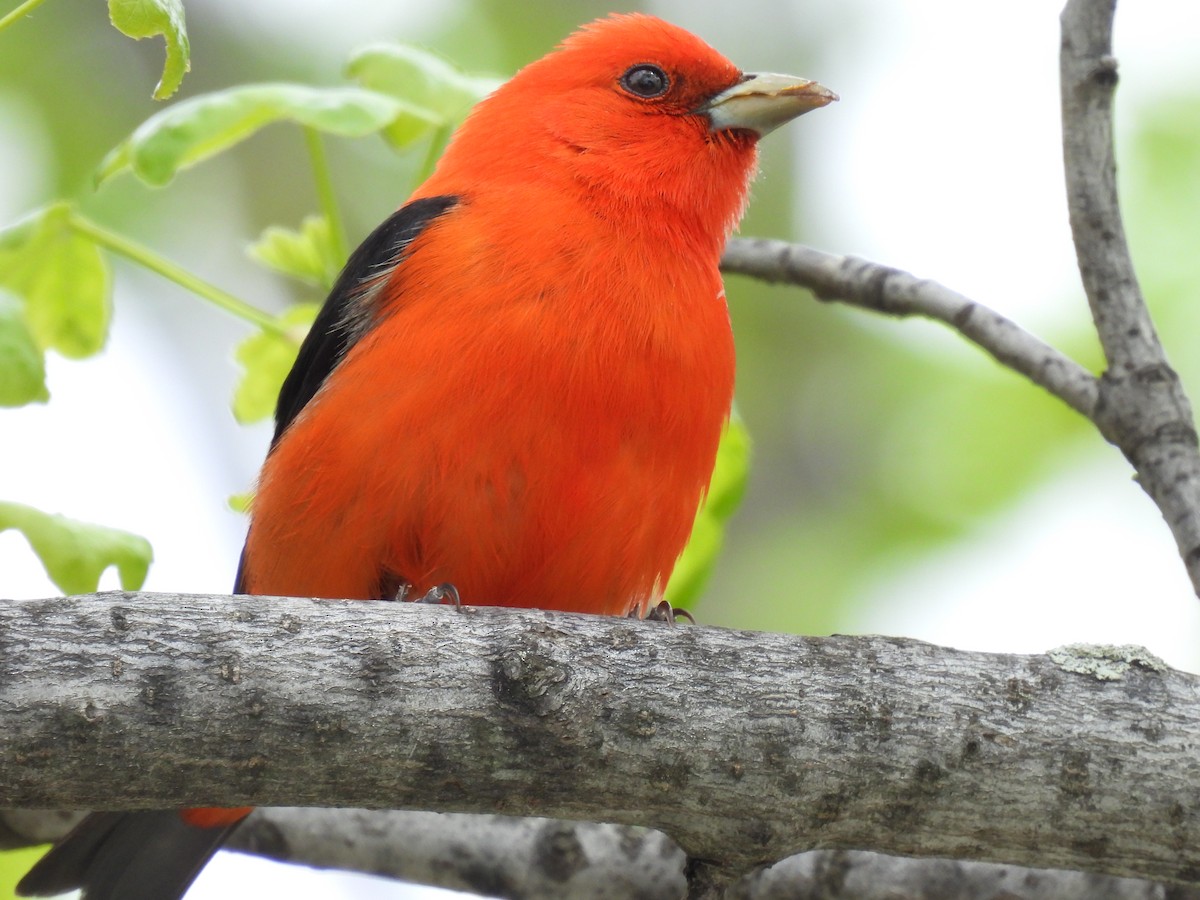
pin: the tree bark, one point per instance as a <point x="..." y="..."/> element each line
<point x="745" y="748"/>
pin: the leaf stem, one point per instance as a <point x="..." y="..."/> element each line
<point x="437" y="143"/>
<point x="27" y="7"/>
<point x="325" y="192"/>
<point x="144" y="256"/>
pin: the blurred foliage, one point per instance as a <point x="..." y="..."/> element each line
<point x="1160" y="187"/>
<point x="193" y="130"/>
<point x="266" y="358"/>
<point x="75" y="553"/>
<point x="22" y="361"/>
<point x="438" y="93"/>
<point x="151" y="18"/>
<point x="724" y="496"/>
<point x="62" y="280"/>
<point x="306" y="254"/>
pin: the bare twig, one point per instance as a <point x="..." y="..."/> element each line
<point x="745" y="748"/>
<point x="1089" y="78"/>
<point x="897" y="293"/>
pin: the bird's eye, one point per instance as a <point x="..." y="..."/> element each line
<point x="646" y="81"/>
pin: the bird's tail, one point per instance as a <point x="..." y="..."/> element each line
<point x="147" y="855"/>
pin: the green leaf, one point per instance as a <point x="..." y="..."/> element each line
<point x="22" y="363"/>
<point x="148" y="18"/>
<point x="267" y="357"/>
<point x="309" y="254"/>
<point x="200" y="127"/>
<point x="436" y="92"/>
<point x="724" y="495"/>
<point x="75" y="554"/>
<point x="63" y="278"/>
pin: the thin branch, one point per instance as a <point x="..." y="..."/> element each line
<point x="1089" y="80"/>
<point x="1142" y="408"/>
<point x="326" y="195"/>
<point x="22" y="9"/>
<point x="144" y="256"/>
<point x="897" y="293"/>
<point x="745" y="748"/>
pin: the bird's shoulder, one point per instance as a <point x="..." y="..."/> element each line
<point x="350" y="308"/>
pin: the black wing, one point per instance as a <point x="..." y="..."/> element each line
<point x="110" y="855"/>
<point x="347" y="313"/>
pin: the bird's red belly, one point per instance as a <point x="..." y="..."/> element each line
<point x="506" y="488"/>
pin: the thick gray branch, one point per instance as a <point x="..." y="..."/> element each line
<point x="897" y="293"/>
<point x="745" y="748"/>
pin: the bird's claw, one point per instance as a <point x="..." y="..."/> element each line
<point x="444" y="593"/>
<point x="665" y="612"/>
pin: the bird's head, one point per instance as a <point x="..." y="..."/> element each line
<point x="636" y="111"/>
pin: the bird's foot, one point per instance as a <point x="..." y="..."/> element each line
<point x="665" y="612"/>
<point x="444" y="593"/>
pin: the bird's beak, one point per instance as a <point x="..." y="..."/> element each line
<point x="763" y="101"/>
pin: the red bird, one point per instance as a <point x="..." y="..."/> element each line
<point x="518" y="383"/>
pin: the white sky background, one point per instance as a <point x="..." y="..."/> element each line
<point x="943" y="158"/>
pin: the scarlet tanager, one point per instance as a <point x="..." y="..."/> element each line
<point x="519" y="381"/>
